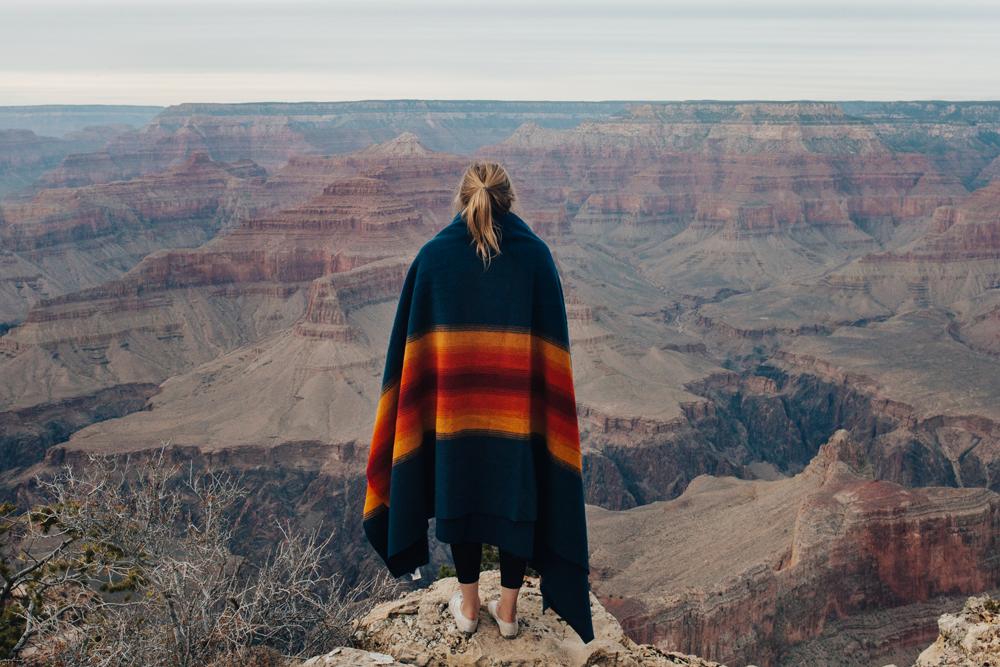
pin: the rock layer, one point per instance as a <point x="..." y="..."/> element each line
<point x="63" y="240"/>
<point x="711" y="199"/>
<point x="201" y="300"/>
<point x="958" y="258"/>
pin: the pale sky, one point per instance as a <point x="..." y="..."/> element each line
<point x="160" y="52"/>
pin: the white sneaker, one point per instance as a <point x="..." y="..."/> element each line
<point x="464" y="624"/>
<point x="508" y="630"/>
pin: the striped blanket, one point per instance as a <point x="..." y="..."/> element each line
<point x="476" y="425"/>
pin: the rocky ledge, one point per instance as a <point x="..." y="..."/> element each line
<point x="417" y="629"/>
<point x="970" y="638"/>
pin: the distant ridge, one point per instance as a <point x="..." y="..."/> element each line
<point x="55" y="120"/>
<point x="310" y="108"/>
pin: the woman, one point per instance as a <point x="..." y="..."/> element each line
<point x="476" y="424"/>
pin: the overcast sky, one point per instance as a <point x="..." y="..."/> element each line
<point x="160" y="52"/>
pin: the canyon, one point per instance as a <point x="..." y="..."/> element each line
<point x="829" y="543"/>
<point x="270" y="134"/>
<point x="783" y="320"/>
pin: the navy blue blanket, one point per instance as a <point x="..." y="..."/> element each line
<point x="476" y="424"/>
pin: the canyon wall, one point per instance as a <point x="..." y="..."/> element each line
<point x="827" y="544"/>
<point x="65" y="239"/>
<point x="742" y="280"/>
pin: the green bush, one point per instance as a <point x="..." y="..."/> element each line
<point x="11" y="629"/>
<point x="490" y="559"/>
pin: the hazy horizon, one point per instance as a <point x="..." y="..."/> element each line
<point x="163" y="53"/>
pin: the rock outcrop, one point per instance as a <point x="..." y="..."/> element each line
<point x="827" y="544"/>
<point x="970" y="638"/>
<point x="423" y="177"/>
<point x="418" y="630"/>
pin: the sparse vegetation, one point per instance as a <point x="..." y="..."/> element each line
<point x="490" y="559"/>
<point x="132" y="564"/>
<point x="991" y="605"/>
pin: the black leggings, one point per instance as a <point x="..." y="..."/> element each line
<point x="468" y="557"/>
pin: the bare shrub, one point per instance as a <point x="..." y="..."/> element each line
<point x="141" y="558"/>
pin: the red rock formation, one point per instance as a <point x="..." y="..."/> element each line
<point x="333" y="296"/>
<point x="293" y="246"/>
<point x="65" y="239"/>
<point x="82" y="169"/>
<point x="178" y="308"/>
<point x="425" y="178"/>
<point x="828" y="544"/>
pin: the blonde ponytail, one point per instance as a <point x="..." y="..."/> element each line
<point x="485" y="192"/>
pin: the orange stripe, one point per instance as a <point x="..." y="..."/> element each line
<point x="379" y="470"/>
<point x="372" y="502"/>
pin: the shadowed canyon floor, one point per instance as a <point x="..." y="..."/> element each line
<point x="742" y="281"/>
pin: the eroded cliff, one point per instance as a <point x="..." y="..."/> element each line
<point x="740" y="571"/>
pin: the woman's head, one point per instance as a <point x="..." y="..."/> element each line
<point x="484" y="194"/>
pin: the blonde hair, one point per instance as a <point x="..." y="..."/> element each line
<point x="484" y="193"/>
